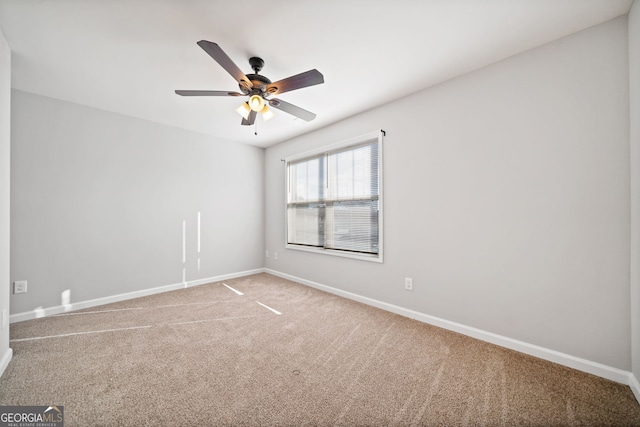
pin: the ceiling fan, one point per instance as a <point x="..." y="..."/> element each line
<point x="257" y="87"/>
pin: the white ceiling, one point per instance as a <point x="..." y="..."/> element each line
<point x="128" y="56"/>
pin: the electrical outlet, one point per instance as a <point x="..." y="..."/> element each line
<point x="266" y="253"/>
<point x="20" y="287"/>
<point x="275" y="255"/>
<point x="408" y="283"/>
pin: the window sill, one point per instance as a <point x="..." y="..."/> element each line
<point x="342" y="254"/>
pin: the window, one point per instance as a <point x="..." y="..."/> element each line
<point x="334" y="199"/>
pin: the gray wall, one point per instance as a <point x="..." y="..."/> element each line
<point x="5" y="144"/>
<point x="634" y="90"/>
<point x="506" y="199"/>
<point x="98" y="202"/>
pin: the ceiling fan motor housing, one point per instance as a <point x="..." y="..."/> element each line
<point x="259" y="84"/>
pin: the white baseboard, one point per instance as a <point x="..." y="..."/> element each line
<point x="59" y="309"/>
<point x="604" y="371"/>
<point x="6" y="358"/>
<point x="635" y="386"/>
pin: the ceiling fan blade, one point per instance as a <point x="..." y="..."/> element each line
<point x="208" y="93"/>
<point x="308" y="78"/>
<point x="292" y="109"/>
<point x="225" y="62"/>
<point x="251" y="120"/>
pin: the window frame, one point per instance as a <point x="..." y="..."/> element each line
<point x="340" y="146"/>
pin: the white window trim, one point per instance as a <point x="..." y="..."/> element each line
<point x="343" y="144"/>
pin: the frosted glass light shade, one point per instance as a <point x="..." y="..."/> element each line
<point x="256" y="103"/>
<point x="244" y="110"/>
<point x="266" y="113"/>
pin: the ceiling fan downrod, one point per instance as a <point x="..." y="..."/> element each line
<point x="256" y="64"/>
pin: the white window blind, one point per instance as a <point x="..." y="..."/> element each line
<point x="334" y="198"/>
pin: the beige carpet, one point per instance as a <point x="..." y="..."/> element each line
<point x="207" y="356"/>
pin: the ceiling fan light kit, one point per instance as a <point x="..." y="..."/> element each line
<point x="257" y="87"/>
